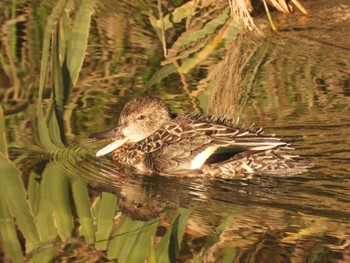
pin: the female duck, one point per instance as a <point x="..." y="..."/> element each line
<point x="150" y="141"/>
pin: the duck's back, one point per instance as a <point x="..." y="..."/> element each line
<point x="186" y="143"/>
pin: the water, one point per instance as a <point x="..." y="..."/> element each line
<point x="294" y="83"/>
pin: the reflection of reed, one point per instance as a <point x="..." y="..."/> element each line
<point x="305" y="79"/>
<point x="229" y="78"/>
<point x="13" y="62"/>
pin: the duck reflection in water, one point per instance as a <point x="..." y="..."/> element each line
<point x="144" y="198"/>
<point x="210" y="207"/>
<point x="149" y="141"/>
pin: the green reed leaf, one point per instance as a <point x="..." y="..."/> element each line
<point x="51" y="22"/>
<point x="169" y="246"/>
<point x="64" y="33"/>
<point x="44" y="254"/>
<point x="180" y="13"/>
<point x="12" y="193"/>
<point x="130" y="251"/>
<point x="55" y="124"/>
<point x="228" y="32"/>
<point x="60" y="200"/>
<point x="9" y="238"/>
<point x="105" y="220"/>
<point x="152" y="251"/>
<point x="57" y="78"/>
<point x="54" y="215"/>
<point x="33" y="191"/>
<point x="118" y="239"/>
<point x="45" y="218"/>
<point x="208" y="29"/>
<point x="122" y="244"/>
<point x="78" y="40"/>
<point x="82" y="204"/>
<point x="161" y="74"/>
<point x="213" y="239"/>
<point x="43" y="131"/>
<point x="229" y="254"/>
<point x="136" y="247"/>
<point x="3" y="142"/>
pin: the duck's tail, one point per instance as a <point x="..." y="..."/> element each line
<point x="277" y="162"/>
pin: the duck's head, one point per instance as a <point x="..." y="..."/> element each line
<point x="139" y="119"/>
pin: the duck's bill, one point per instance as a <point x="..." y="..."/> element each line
<point x="111" y="147"/>
<point x="118" y="140"/>
<point x="110" y="134"/>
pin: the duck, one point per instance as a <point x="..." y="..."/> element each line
<point x="149" y="140"/>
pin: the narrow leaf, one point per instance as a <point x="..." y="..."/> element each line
<point x="208" y="29"/>
<point x="78" y="40"/>
<point x="124" y="239"/>
<point x="9" y="238"/>
<point x="45" y="220"/>
<point x="51" y="22"/>
<point x="136" y="246"/>
<point x="169" y="246"/>
<point x="33" y="191"/>
<point x="3" y="143"/>
<point x="60" y="200"/>
<point x="152" y="251"/>
<point x="82" y="204"/>
<point x="161" y="74"/>
<point x="12" y="193"/>
<point x="105" y="220"/>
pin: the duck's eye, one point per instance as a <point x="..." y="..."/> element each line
<point x="138" y="205"/>
<point x="141" y="117"/>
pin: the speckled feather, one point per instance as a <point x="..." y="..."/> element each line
<point x="172" y="148"/>
<point x="182" y="146"/>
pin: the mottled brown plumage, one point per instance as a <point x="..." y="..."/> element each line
<point x="150" y="141"/>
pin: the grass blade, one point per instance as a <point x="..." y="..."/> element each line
<point x="52" y="20"/>
<point x="77" y="43"/>
<point x="43" y="131"/>
<point x="215" y="238"/>
<point x="136" y="247"/>
<point x="152" y="251"/>
<point x="209" y="28"/>
<point x="124" y="239"/>
<point x="45" y="220"/>
<point x="161" y="74"/>
<point x="169" y="246"/>
<point x="60" y="200"/>
<point x="12" y="193"/>
<point x="105" y="222"/>
<point x="33" y="191"/>
<point x="8" y="234"/>
<point x="82" y="204"/>
<point x="3" y="142"/>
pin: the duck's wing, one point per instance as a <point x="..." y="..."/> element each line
<point x="227" y="133"/>
<point x="187" y="142"/>
<point x="277" y="162"/>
